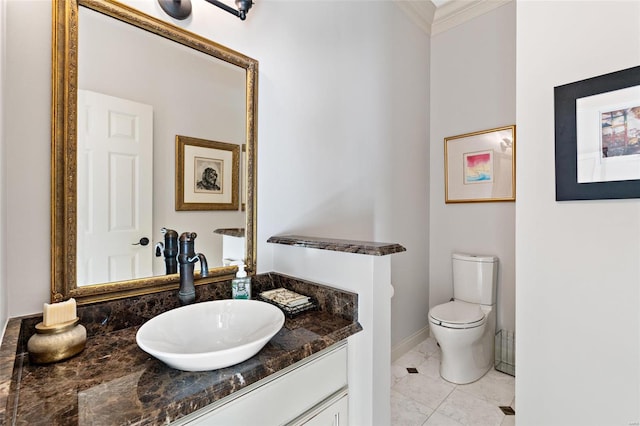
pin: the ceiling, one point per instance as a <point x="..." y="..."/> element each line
<point x="436" y="16"/>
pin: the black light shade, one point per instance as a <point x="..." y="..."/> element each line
<point x="243" y="7"/>
<point x="178" y="9"/>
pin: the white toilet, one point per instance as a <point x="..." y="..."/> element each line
<point x="465" y="327"/>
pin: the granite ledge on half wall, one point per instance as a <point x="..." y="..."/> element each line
<point x="348" y="246"/>
<point x="231" y="232"/>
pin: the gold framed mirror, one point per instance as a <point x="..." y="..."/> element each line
<point x="68" y="172"/>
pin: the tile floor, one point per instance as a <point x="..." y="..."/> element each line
<point x="426" y="399"/>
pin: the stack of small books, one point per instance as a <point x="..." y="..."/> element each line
<point x="287" y="300"/>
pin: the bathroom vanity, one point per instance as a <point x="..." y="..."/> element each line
<point x="324" y="365"/>
<point x="114" y="382"/>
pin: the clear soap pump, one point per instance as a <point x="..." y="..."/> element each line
<point x="241" y="284"/>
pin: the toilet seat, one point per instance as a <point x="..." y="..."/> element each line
<point x="457" y="314"/>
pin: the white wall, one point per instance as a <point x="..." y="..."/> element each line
<point x="342" y="138"/>
<point x="343" y="135"/>
<point x="472" y="89"/>
<point x="26" y="99"/>
<point x="578" y="292"/>
<point x="369" y="350"/>
<point x="3" y="180"/>
<point x="343" y="125"/>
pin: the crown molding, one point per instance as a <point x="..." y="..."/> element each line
<point x="419" y="11"/>
<point x="434" y="20"/>
<point x="456" y="12"/>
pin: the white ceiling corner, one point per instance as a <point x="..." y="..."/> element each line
<point x="436" y="16"/>
<point x="420" y="11"/>
<point x="456" y="12"/>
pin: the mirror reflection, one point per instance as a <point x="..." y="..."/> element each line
<point x="134" y="98"/>
<point x="153" y="132"/>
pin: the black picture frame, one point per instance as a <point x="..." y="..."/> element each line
<point x="565" y="96"/>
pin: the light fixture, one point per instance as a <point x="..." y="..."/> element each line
<point x="181" y="9"/>
<point x="242" y="5"/>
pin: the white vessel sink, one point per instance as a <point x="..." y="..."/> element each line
<point x="210" y="335"/>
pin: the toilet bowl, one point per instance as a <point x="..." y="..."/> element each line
<point x="464" y="332"/>
<point x="465" y="327"/>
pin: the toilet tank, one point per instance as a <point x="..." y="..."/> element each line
<point x="475" y="278"/>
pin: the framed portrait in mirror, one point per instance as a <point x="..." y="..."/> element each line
<point x="207" y="174"/>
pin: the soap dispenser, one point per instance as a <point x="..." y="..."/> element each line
<point x="241" y="284"/>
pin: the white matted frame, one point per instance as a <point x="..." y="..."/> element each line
<point x="608" y="136"/>
<point x="480" y="166"/>
<point x="206" y="174"/>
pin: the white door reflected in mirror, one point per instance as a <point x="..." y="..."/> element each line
<point x="115" y="188"/>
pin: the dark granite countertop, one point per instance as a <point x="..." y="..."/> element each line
<point x="348" y="246"/>
<point x="114" y="382"/>
<point x="232" y="232"/>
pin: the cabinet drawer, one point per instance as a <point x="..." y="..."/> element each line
<point x="282" y="397"/>
<point x="334" y="411"/>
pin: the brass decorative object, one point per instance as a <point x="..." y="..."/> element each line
<point x="56" y="342"/>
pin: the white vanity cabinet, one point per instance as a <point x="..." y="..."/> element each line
<point x="311" y="392"/>
<point x="334" y="411"/>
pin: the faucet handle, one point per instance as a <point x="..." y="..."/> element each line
<point x="188" y="236"/>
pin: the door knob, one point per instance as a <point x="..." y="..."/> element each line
<point x="143" y="242"/>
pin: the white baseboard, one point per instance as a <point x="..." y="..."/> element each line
<point x="409" y="343"/>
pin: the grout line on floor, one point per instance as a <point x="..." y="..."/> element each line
<point x="442" y="402"/>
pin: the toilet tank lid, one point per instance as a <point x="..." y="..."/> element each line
<point x="485" y="258"/>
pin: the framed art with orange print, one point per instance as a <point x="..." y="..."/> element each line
<point x="480" y="166"/>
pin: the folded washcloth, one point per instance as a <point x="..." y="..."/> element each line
<point x="285" y="297"/>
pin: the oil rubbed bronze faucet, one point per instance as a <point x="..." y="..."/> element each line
<point x="186" y="259"/>
<point x="170" y="250"/>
